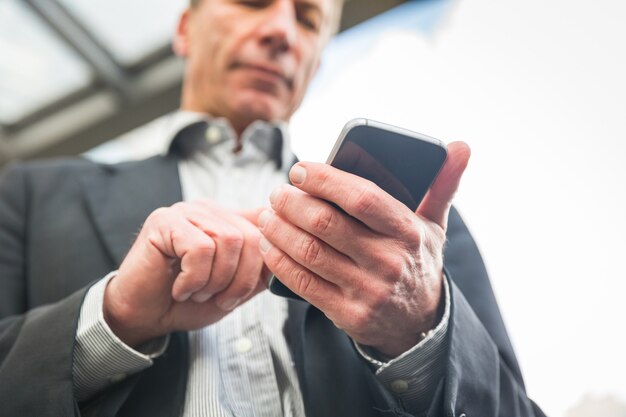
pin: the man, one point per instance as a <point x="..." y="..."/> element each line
<point x="183" y="327"/>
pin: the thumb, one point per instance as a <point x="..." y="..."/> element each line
<point x="437" y="202"/>
<point x="252" y="215"/>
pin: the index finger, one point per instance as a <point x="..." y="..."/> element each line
<point x="360" y="198"/>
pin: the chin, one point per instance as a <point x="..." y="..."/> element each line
<point x="255" y="105"/>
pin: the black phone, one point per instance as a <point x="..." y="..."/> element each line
<point x="401" y="162"/>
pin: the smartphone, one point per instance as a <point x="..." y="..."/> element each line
<point x="401" y="162"/>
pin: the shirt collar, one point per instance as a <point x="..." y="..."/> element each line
<point x="191" y="131"/>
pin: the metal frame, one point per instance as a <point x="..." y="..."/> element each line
<point x="120" y="97"/>
<point x="78" y="38"/>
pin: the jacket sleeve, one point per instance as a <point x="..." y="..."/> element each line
<point x="36" y="360"/>
<point x="35" y="346"/>
<point x="478" y="381"/>
<point x="482" y="375"/>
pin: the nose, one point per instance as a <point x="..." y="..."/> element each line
<point x="279" y="30"/>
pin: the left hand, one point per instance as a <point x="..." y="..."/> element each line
<point x="377" y="271"/>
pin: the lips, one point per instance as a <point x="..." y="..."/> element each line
<point x="267" y="71"/>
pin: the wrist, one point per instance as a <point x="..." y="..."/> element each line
<point x="430" y="318"/>
<point x="119" y="316"/>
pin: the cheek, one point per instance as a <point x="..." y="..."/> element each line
<point x="306" y="73"/>
<point x="209" y="58"/>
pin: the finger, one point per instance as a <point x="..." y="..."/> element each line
<point x="195" y="250"/>
<point x="357" y="196"/>
<point x="322" y="294"/>
<point x="437" y="202"/>
<point x="307" y="250"/>
<point x="248" y="279"/>
<point x="228" y="244"/>
<point x="325" y="221"/>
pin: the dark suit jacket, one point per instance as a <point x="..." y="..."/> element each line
<point x="65" y="224"/>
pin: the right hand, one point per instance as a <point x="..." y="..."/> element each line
<point x="191" y="264"/>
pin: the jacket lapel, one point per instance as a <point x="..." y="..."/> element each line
<point x="120" y="197"/>
<point x="334" y="380"/>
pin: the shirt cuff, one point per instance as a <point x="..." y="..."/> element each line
<point x="413" y="376"/>
<point x="100" y="357"/>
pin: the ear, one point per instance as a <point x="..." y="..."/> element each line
<point x="180" y="45"/>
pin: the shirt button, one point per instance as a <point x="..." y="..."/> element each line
<point x="243" y="345"/>
<point x="212" y="135"/>
<point x="399" y="386"/>
<point x="117" y="378"/>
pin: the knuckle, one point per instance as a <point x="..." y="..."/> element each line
<point x="310" y="250"/>
<point x="322" y="221"/>
<point x="416" y="236"/>
<point x="206" y="248"/>
<point x="394" y="267"/>
<point x="420" y="236"/>
<point x="419" y="232"/>
<point x="157" y="215"/>
<point x="389" y="265"/>
<point x="378" y="297"/>
<point x="278" y="262"/>
<point x="305" y="282"/>
<point x="322" y="177"/>
<point x="362" y="200"/>
<point x="232" y="238"/>
<point x="203" y="246"/>
<point x="360" y="318"/>
<point x="405" y="226"/>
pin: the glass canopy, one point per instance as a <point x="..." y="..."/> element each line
<point x="114" y="23"/>
<point x="36" y="67"/>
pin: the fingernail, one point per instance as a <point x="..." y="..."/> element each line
<point x="201" y="297"/>
<point x="264" y="217"/>
<point x="297" y="174"/>
<point x="264" y="245"/>
<point x="274" y="195"/>
<point x="230" y="304"/>
<point x="184" y="297"/>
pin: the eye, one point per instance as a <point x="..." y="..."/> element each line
<point x="255" y="4"/>
<point x="308" y="23"/>
<point x="309" y="20"/>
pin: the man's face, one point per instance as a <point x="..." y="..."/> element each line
<point x="251" y="59"/>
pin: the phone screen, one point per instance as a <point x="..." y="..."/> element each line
<point x="401" y="164"/>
